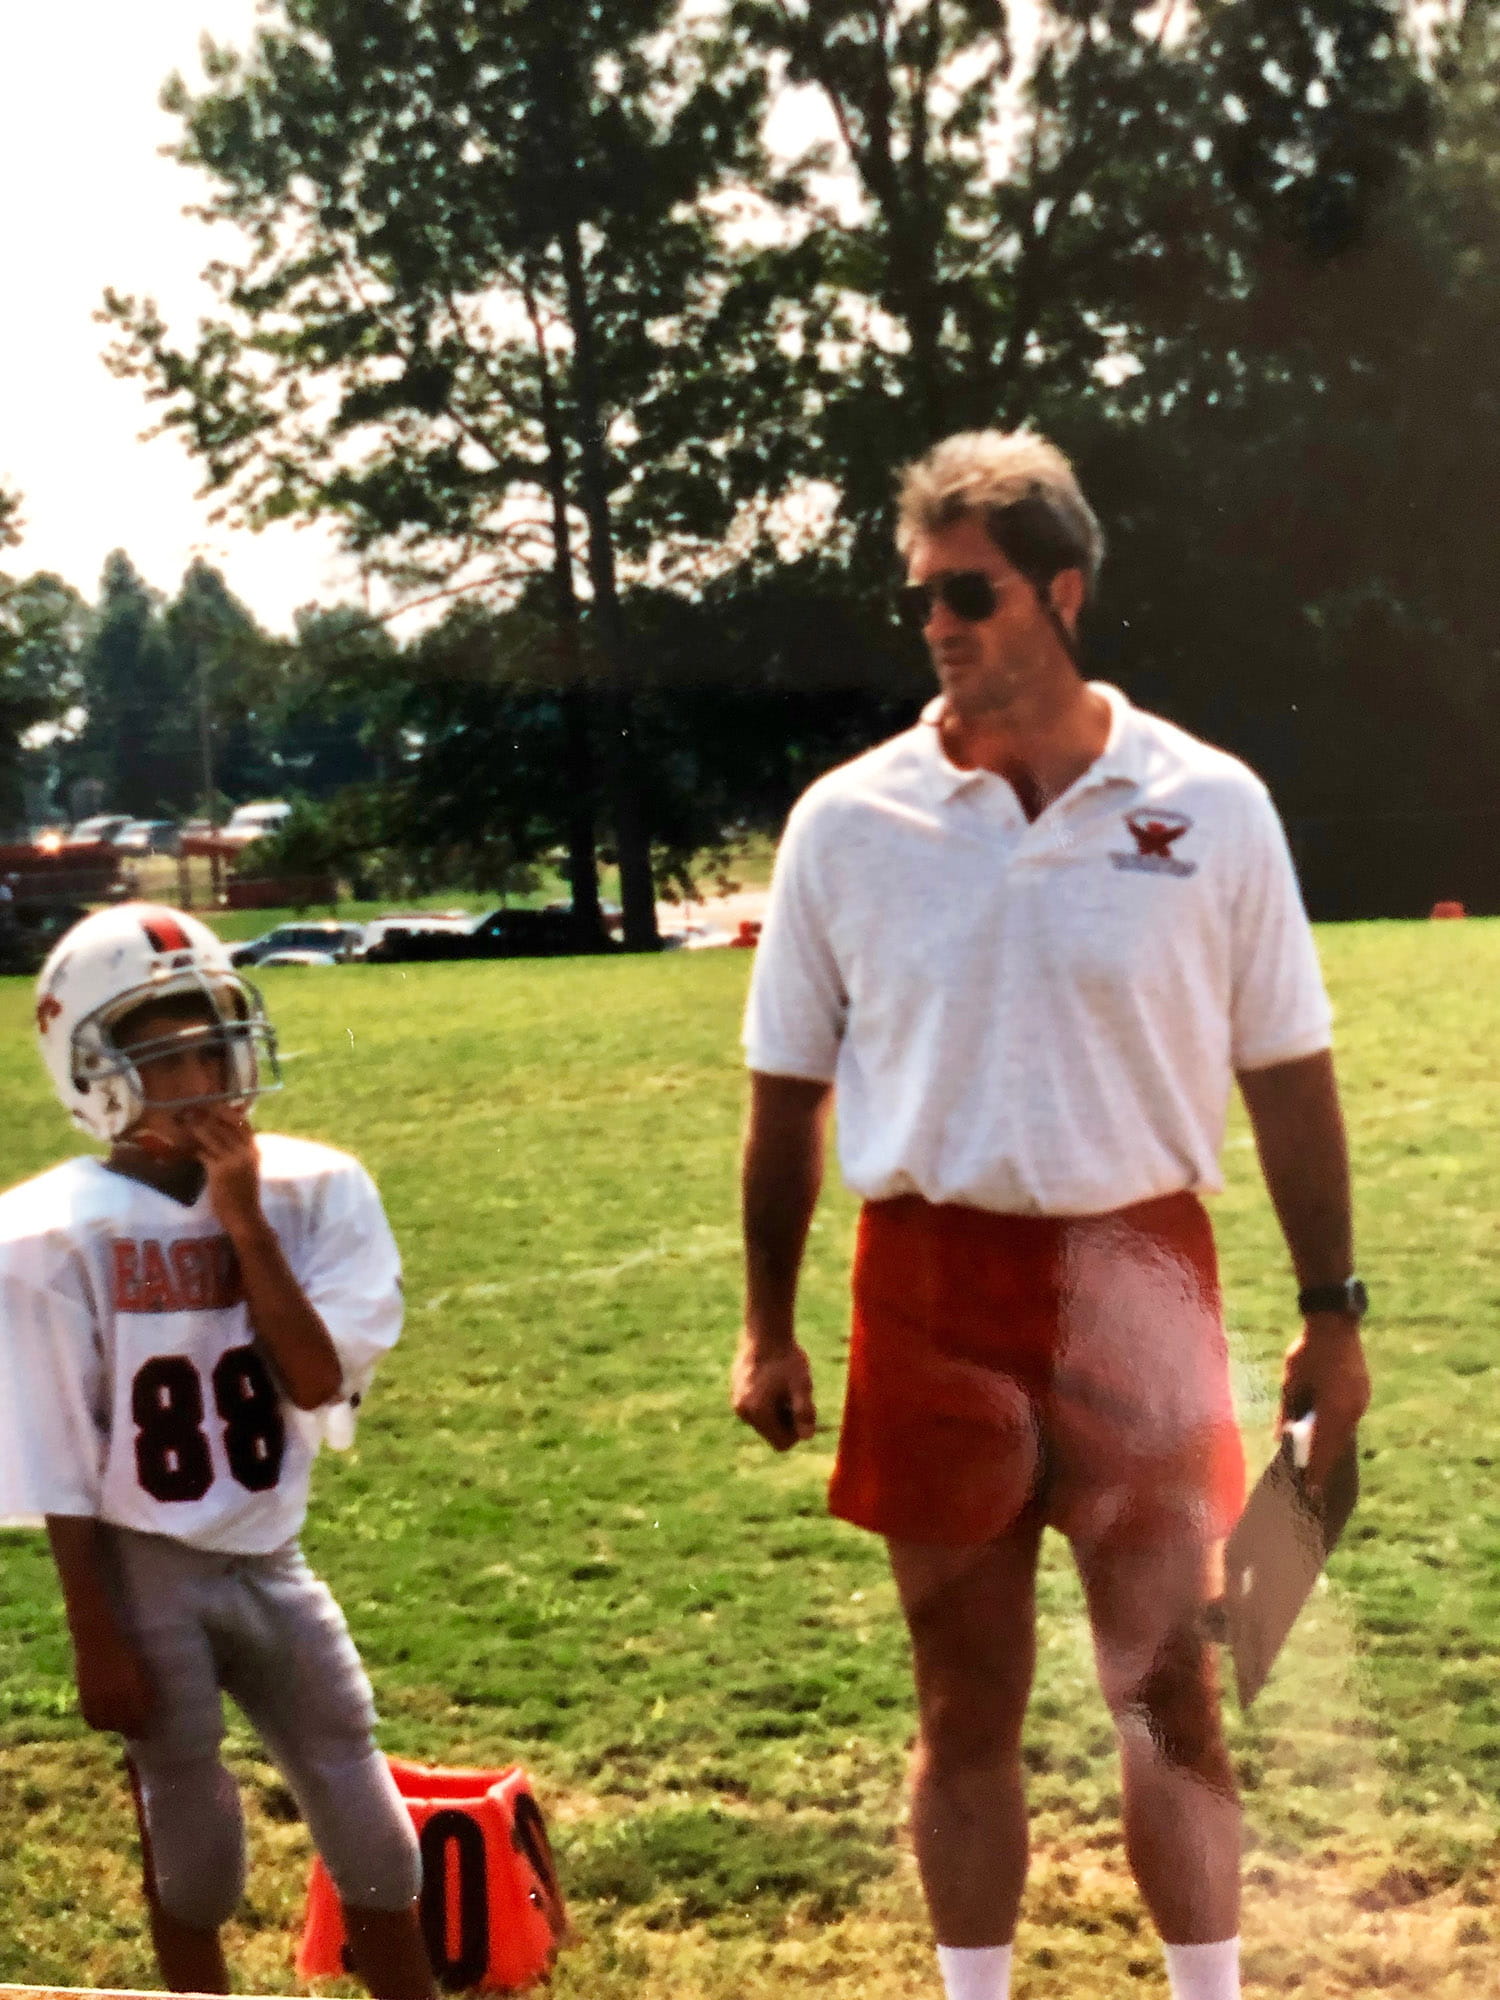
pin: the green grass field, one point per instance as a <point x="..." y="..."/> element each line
<point x="554" y="1545"/>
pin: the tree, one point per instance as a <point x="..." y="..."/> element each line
<point x="41" y="630"/>
<point x="227" y="669"/>
<point x="1288" y="579"/>
<point x="1075" y="245"/>
<point x="1199" y="222"/>
<point x="479" y="267"/>
<point x="137" y="741"/>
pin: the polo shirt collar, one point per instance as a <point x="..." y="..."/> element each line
<point x="1125" y="753"/>
<point x="1122" y="760"/>
<point x="941" y="776"/>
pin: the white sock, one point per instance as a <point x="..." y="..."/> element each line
<point x="975" y="1972"/>
<point x="1204" y="1971"/>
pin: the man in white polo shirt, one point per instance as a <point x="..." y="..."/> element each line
<point x="1030" y="943"/>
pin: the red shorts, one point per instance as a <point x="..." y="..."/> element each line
<point x="1073" y="1364"/>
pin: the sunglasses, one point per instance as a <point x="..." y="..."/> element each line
<point x="968" y="593"/>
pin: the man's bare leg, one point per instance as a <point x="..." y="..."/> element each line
<point x="1182" y="1818"/>
<point x="971" y="1614"/>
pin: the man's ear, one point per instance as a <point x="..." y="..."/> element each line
<point x="1067" y="592"/>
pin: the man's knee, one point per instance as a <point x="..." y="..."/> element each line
<point x="1174" y="1701"/>
<point x="968" y="1728"/>
<point x="195" y="1844"/>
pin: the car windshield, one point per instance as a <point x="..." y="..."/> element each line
<point x="290" y="937"/>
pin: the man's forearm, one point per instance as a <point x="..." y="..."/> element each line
<point x="780" y="1181"/>
<point x="1299" y="1131"/>
<point x="1304" y="1156"/>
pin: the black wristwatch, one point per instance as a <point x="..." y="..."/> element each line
<point x="1350" y="1297"/>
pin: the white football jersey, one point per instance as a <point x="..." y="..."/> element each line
<point x="130" y="1385"/>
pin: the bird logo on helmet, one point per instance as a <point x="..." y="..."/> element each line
<point x="125" y="958"/>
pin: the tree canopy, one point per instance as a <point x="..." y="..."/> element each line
<point x="529" y="302"/>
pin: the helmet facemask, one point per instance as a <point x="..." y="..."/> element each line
<point x="227" y="1015"/>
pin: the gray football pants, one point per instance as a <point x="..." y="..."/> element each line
<point x="266" y="1631"/>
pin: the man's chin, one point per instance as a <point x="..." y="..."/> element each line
<point x="967" y="690"/>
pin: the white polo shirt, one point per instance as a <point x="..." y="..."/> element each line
<point x="1035" y="1017"/>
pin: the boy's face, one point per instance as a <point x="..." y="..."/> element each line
<point x="194" y="1064"/>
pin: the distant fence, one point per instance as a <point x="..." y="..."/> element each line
<point x="86" y="872"/>
<point x="281" y="892"/>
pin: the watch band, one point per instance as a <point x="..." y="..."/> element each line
<point x="1348" y="1297"/>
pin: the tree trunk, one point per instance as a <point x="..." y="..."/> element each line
<point x="622" y="762"/>
<point x="579" y="762"/>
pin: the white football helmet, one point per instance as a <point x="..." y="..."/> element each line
<point x="116" y="961"/>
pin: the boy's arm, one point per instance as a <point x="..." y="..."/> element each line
<point x="113" y="1689"/>
<point x="287" y="1328"/>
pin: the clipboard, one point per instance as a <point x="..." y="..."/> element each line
<point x="1276" y="1554"/>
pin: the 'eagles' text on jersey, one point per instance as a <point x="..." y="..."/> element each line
<point x="131" y="1388"/>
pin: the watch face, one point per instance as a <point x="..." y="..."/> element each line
<point x="1358" y="1297"/>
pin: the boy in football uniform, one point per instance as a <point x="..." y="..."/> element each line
<point x="182" y="1322"/>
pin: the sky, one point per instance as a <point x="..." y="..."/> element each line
<point x="89" y="202"/>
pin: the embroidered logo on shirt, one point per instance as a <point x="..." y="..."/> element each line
<point x="1155" y="834"/>
<point x="194" y="1274"/>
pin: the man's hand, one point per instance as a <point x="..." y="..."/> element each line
<point x="1325" y="1372"/>
<point x="224" y="1139"/>
<point x="771" y="1390"/>
<point x="114" y="1692"/>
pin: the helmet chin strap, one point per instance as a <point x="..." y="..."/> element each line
<point x="152" y="1144"/>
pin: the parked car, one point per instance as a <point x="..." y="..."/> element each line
<point x="504" y="933"/>
<point x="378" y="929"/>
<point x="695" y="937"/>
<point x="247" y="823"/>
<point x="275" y="958"/>
<point x="333" y="941"/>
<point x="613" y="915"/>
<point x="150" y="836"/>
<point x="101" y="830"/>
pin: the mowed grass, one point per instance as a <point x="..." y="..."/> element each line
<point x="553" y="1544"/>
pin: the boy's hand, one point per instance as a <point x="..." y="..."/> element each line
<point x="114" y="1692"/>
<point x="224" y="1140"/>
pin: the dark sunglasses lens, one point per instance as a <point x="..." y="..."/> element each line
<point x="970" y="595"/>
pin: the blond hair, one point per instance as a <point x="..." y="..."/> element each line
<point x="1020" y="486"/>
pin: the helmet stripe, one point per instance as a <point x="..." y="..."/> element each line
<point x="165" y="933"/>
